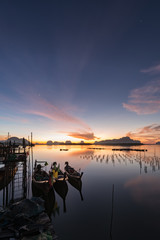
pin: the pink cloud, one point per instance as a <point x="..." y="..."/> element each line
<point x="14" y="119"/>
<point x="153" y="69"/>
<point x="6" y="118"/>
<point x="45" y="109"/>
<point x="33" y="104"/>
<point x="145" y="100"/>
<point x="145" y="191"/>
<point x="36" y="105"/>
<point x="147" y="134"/>
<point x="150" y="129"/>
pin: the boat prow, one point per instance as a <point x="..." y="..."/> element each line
<point x="72" y="173"/>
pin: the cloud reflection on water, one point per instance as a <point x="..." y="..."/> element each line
<point x="145" y="190"/>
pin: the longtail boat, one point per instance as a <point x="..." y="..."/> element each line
<point x="40" y="178"/>
<point x="71" y="172"/>
<point x="58" y="174"/>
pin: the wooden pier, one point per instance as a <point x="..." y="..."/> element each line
<point x="14" y="172"/>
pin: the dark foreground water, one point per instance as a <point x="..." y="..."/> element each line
<point x="119" y="197"/>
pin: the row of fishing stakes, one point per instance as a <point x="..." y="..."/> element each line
<point x="144" y="162"/>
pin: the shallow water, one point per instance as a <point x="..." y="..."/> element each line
<point x="120" y="195"/>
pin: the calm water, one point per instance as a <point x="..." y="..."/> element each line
<point x="120" y="196"/>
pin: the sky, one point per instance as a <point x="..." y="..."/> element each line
<point x="80" y="70"/>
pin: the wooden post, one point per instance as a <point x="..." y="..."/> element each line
<point x="31" y="139"/>
<point x="8" y="139"/>
<point x="112" y="212"/>
<point x="24" y="145"/>
<point x="24" y="178"/>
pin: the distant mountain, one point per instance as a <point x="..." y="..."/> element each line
<point x="120" y="141"/>
<point x="17" y="140"/>
<point x="158" y="143"/>
<point x="49" y="142"/>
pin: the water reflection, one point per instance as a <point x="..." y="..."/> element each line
<point x="135" y="176"/>
<point x="49" y="198"/>
<point x="7" y="173"/>
<point x="145" y="162"/>
<point x="13" y="181"/>
<point x="61" y="189"/>
<point x="145" y="191"/>
<point x="77" y="184"/>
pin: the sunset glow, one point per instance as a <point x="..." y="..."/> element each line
<point x="76" y="77"/>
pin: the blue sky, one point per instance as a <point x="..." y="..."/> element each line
<point x="80" y="70"/>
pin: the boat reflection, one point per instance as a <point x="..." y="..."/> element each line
<point x="76" y="183"/>
<point x="56" y="209"/>
<point x="61" y="189"/>
<point x="49" y="199"/>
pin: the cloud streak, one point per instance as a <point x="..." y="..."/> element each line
<point x="152" y="70"/>
<point x="45" y="109"/>
<point x="14" y="119"/>
<point x="35" y="105"/>
<point x="145" y="100"/>
<point x="82" y="135"/>
<point x="147" y="134"/>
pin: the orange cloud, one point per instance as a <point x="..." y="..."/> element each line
<point x="82" y="135"/>
<point x="3" y="137"/>
<point x="148" y="134"/>
<point x="145" y="100"/>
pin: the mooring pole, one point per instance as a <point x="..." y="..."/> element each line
<point x="112" y="212"/>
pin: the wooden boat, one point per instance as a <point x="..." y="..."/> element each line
<point x="71" y="172"/>
<point x="59" y="182"/>
<point x="57" y="173"/>
<point x="40" y="178"/>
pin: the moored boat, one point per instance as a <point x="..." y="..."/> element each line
<point x="71" y="172"/>
<point x="40" y="178"/>
<point x="58" y="174"/>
